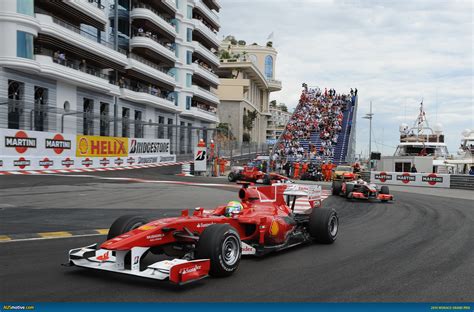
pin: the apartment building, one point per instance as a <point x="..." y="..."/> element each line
<point x="109" y="67"/>
<point x="247" y="77"/>
<point x="277" y="121"/>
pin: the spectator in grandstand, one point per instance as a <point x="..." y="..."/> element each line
<point x="413" y="169"/>
<point x="471" y="171"/>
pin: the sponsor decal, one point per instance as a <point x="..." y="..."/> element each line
<point x="103" y="257"/>
<point x="21" y="142"/>
<point x="204" y="225"/>
<point x="104" y="162"/>
<point x="192" y="269"/>
<point x="432" y="179"/>
<point x="247" y="249"/>
<point x="146" y="227"/>
<point x="87" y="162"/>
<point x="46" y="163"/>
<point x="155" y="237"/>
<point x="130" y="160"/>
<point x="151" y="147"/>
<point x="97" y="146"/>
<point x="406" y="178"/>
<point x="58" y="144"/>
<point x="118" y="161"/>
<point x="166" y="158"/>
<point x="22" y="163"/>
<point x="383" y="176"/>
<point x="136" y="259"/>
<point x="274" y="228"/>
<point x="147" y="160"/>
<point x="68" y="162"/>
<point x="200" y="156"/>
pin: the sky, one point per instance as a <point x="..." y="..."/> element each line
<point x="397" y="53"/>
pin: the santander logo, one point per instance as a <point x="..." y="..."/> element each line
<point x="192" y="269"/>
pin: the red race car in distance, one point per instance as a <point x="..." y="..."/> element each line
<point x="211" y="242"/>
<point x="252" y="173"/>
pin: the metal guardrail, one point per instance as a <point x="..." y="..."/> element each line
<point x="462" y="181"/>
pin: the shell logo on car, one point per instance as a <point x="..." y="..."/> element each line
<point x="274" y="228"/>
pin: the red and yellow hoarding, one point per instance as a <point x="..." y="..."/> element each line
<point x="99" y="146"/>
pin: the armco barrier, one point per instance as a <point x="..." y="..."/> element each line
<point x="462" y="181"/>
<point x="411" y="179"/>
<point x="34" y="150"/>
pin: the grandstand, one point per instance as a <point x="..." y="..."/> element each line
<point x="321" y="128"/>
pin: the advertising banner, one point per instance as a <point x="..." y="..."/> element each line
<point x="100" y="146"/>
<point x="35" y="150"/>
<point x="200" y="158"/>
<point x="408" y="178"/>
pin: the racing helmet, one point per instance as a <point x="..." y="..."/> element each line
<point x="232" y="207"/>
<point x="360" y="181"/>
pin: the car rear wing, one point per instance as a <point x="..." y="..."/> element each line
<point x="303" y="190"/>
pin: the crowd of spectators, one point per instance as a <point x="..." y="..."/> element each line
<point x="319" y="112"/>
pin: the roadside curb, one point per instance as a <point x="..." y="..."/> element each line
<point x="51" y="235"/>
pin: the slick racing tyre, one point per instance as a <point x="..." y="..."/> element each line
<point x="336" y="187"/>
<point x="384" y="190"/>
<point x="221" y="244"/>
<point x="125" y="224"/>
<point x="349" y="190"/>
<point x="323" y="225"/>
<point x="232" y="177"/>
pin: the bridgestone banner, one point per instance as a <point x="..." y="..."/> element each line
<point x="35" y="150"/>
<point x="411" y="179"/>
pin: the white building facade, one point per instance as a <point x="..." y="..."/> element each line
<point x="110" y="67"/>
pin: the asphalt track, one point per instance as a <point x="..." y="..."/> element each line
<point x="418" y="248"/>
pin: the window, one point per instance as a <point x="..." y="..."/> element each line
<point x="402" y="167"/>
<point x="189" y="57"/>
<point x="182" y="137"/>
<point x="176" y="50"/>
<point x="41" y="103"/>
<point x="176" y="25"/>
<point x="104" y="119"/>
<point x="176" y="99"/>
<point x="125" y="122"/>
<point x="88" y="118"/>
<point x="161" y="129"/>
<point x="190" y="138"/>
<point x="269" y="67"/>
<point x="189" y="34"/>
<point x="171" y="135"/>
<point x="188" y="102"/>
<point x="24" y="45"/>
<point x="189" y="80"/>
<point x="25" y="7"/>
<point x="190" y="12"/>
<point x="15" y="103"/>
<point x="138" y="124"/>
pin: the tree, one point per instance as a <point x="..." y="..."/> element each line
<point x="224" y="132"/>
<point x="248" y="120"/>
<point x="283" y="107"/>
<point x="273" y="103"/>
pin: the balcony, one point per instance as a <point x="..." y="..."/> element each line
<point x="207" y="12"/>
<point x="148" y="68"/>
<point x="206" y="31"/>
<point x="206" y="53"/>
<point x="91" y="8"/>
<point x="201" y="114"/>
<point x="75" y="36"/>
<point x="206" y="74"/>
<point x="274" y="85"/>
<point x="153" y="43"/>
<point x="71" y="71"/>
<point x="206" y="95"/>
<point x="146" y="97"/>
<point x="144" y="11"/>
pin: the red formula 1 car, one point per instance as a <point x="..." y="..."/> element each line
<point x="360" y="189"/>
<point x="211" y="242"/>
<point x="251" y="173"/>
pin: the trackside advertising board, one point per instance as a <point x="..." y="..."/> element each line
<point x="35" y="150"/>
<point x="410" y="179"/>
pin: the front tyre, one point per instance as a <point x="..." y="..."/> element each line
<point x="125" y="224"/>
<point x="232" y="177"/>
<point x="220" y="243"/>
<point x="323" y="225"/>
<point x="336" y="187"/>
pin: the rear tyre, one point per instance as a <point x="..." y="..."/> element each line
<point x="323" y="225"/>
<point x="384" y="190"/>
<point x="125" y="224"/>
<point x="232" y="177"/>
<point x="267" y="180"/>
<point x="221" y="244"/>
<point x="336" y="187"/>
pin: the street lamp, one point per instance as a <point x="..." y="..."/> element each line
<point x="369" y="116"/>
